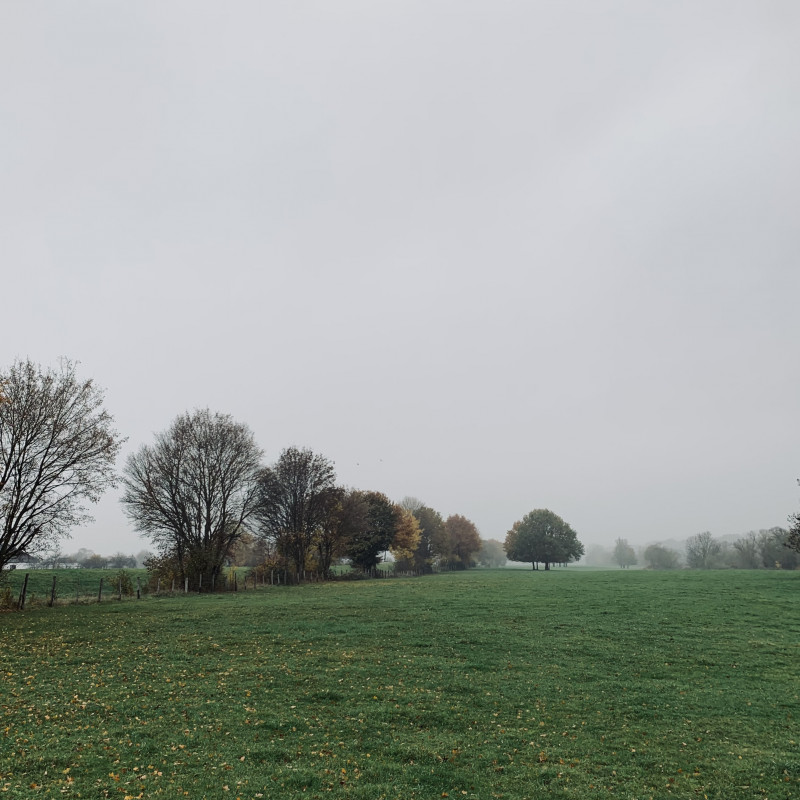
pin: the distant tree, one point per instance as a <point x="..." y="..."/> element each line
<point x="193" y="491"/>
<point x="293" y="498"/>
<point x="411" y="504"/>
<point x="702" y="551"/>
<point x="624" y="554"/>
<point x="431" y="532"/>
<point x="142" y="556"/>
<point x="406" y="537"/>
<point x="491" y="553"/>
<point x="365" y="546"/>
<point x="122" y="561"/>
<point x="597" y="555"/>
<point x="543" y="537"/>
<point x="793" y="538"/>
<point x="775" y="551"/>
<point x="94" y="561"/>
<point x="464" y="539"/>
<point x="747" y="551"/>
<point x="79" y="556"/>
<point x="57" y="453"/>
<point x="659" y="557"/>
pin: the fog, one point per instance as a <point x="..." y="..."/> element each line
<point x="497" y="256"/>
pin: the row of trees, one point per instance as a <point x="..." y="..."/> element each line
<point x="200" y="489"/>
<point x="775" y="548"/>
<point x="198" y="492"/>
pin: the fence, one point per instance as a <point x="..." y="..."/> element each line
<point x="74" y="588"/>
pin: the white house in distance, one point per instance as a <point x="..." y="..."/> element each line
<point x="23" y="561"/>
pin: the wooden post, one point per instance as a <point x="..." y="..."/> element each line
<point x="201" y="583"/>
<point x="53" y="592"/>
<point x="158" y="586"/>
<point x="138" y="588"/>
<point x="272" y="577"/>
<point x="21" y="602"/>
<point x="100" y="591"/>
<point x="235" y="583"/>
<point x="120" y="589"/>
<point x="185" y="585"/>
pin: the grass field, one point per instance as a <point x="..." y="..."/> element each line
<point x="514" y="684"/>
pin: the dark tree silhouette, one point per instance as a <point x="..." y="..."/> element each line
<point x="193" y="491"/>
<point x="57" y="453"/>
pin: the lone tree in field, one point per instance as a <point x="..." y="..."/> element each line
<point x="193" y="491"/>
<point x="542" y="537"/>
<point x="293" y="498"/>
<point x="624" y="554"/>
<point x="57" y="453"/>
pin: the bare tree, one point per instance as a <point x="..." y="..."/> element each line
<point x="702" y="551"/>
<point x="624" y="554"/>
<point x="293" y="498"/>
<point x="193" y="491"/>
<point x="57" y="453"/>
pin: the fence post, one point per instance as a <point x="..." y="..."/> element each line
<point x="100" y="591"/>
<point x="158" y="586"/>
<point x="185" y="585"/>
<point x="53" y="592"/>
<point x="21" y="602"/>
<point x="138" y="588"/>
<point x="235" y="583"/>
<point x="119" y="587"/>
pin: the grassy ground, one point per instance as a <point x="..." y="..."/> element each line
<point x="512" y="684"/>
<point x="71" y="584"/>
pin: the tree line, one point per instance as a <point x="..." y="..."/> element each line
<point x="772" y="548"/>
<point x="200" y="492"/>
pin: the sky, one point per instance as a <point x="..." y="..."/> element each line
<point x="498" y="256"/>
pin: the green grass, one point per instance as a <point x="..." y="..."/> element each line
<point x="70" y="583"/>
<point x="491" y="683"/>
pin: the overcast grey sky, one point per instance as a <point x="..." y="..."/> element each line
<point x="497" y="255"/>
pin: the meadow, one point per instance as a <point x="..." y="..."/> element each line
<point x="482" y="684"/>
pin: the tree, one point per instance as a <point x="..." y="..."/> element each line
<point x="431" y="530"/>
<point x="57" y="453"/>
<point x="659" y="557"/>
<point x="94" y="561"/>
<point x="464" y="541"/>
<point x="491" y="553"/>
<point x="543" y="537"/>
<point x="624" y="554"/>
<point x="367" y="543"/>
<point x="406" y="537"/>
<point x="344" y="515"/>
<point x="193" y="491"/>
<point x="702" y="551"/>
<point x="793" y="539"/>
<point x="293" y="500"/>
<point x="121" y="561"/>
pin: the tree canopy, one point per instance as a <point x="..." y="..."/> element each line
<point x="542" y="537"/>
<point x="57" y="453"/>
<point x="193" y="491"/>
<point x="294" y="497"/>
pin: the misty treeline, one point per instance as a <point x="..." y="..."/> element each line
<point x="771" y="548"/>
<point x="203" y="497"/>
